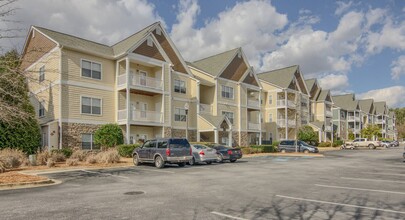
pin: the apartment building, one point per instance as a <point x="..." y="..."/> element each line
<point x="230" y="95"/>
<point x="285" y="103"/>
<point x="346" y="116"/>
<point x="142" y="83"/>
<point x="366" y="112"/>
<point x="392" y="132"/>
<point x="381" y="117"/>
<point x="320" y="109"/>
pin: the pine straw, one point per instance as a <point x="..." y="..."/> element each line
<point x="13" y="177"/>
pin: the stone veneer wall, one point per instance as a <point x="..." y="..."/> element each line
<point x="179" y="133"/>
<point x="235" y="137"/>
<point x="71" y="133"/>
<point x="244" y="141"/>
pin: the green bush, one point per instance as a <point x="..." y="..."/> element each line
<point x="125" y="150"/>
<point x="337" y="143"/>
<point x="264" y="148"/>
<point x="276" y="143"/>
<point x="65" y="151"/>
<point x="324" y="144"/>
<point x="246" y="150"/>
<point x="109" y="135"/>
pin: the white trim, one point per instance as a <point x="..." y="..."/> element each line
<point x="201" y="71"/>
<point x="233" y="113"/>
<point x="233" y="92"/>
<point x="91" y="97"/>
<point x="184" y="99"/>
<point x="91" y="66"/>
<point x="145" y="59"/>
<point x="185" y="86"/>
<point x="88" y="85"/>
<point x="81" y="121"/>
<point x="230" y="104"/>
<point x="227" y="80"/>
<point x="60" y="98"/>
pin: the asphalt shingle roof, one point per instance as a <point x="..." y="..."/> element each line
<point x="215" y="121"/>
<point x="280" y="77"/>
<point x="346" y="101"/>
<point x="310" y="83"/>
<point x="365" y="105"/>
<point x="323" y="95"/>
<point x="379" y="107"/>
<point x="216" y="63"/>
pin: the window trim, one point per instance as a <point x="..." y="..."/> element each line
<point x="270" y="117"/>
<point x="185" y="86"/>
<point x="41" y="103"/>
<point x="222" y="92"/>
<point x="86" y="77"/>
<point x="233" y="118"/>
<point x="91" y="143"/>
<point x="271" y="99"/>
<point x="180" y="115"/>
<point x="43" y="74"/>
<point x="92" y="97"/>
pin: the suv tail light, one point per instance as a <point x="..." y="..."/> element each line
<point x="167" y="151"/>
<point x="191" y="152"/>
<point x="229" y="152"/>
<point x="202" y="153"/>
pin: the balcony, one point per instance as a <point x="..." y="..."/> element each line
<point x="138" y="116"/>
<point x="353" y="118"/>
<point x="253" y="103"/>
<point x="328" y="128"/>
<point x="253" y="126"/>
<point x="282" y="123"/>
<point x="285" y="103"/>
<point x="355" y="130"/>
<point x="205" y="108"/>
<point x="379" y="121"/>
<point x="139" y="81"/>
<point x="328" y="113"/>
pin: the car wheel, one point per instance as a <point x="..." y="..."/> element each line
<point x="282" y="151"/>
<point x="182" y="164"/>
<point x="136" y="160"/>
<point x="191" y="162"/>
<point x="351" y="148"/>
<point x="209" y="162"/>
<point x="233" y="161"/>
<point x="371" y="146"/>
<point x="159" y="163"/>
<point x="306" y="151"/>
<point x="220" y="159"/>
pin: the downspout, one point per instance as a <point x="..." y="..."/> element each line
<point x="60" y="98"/>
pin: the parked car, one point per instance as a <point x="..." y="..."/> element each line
<point x="291" y="145"/>
<point x="395" y="143"/>
<point x="163" y="151"/>
<point x="227" y="153"/>
<point x="386" y="144"/>
<point x="362" y="142"/>
<point x="202" y="153"/>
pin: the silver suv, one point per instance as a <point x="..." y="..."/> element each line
<point x="163" y="151"/>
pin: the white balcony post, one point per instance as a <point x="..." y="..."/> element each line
<point x="216" y="136"/>
<point x="128" y="126"/>
<point x="286" y="115"/>
<point x="260" y="117"/>
<point x="230" y="137"/>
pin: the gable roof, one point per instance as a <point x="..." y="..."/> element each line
<point x="380" y="107"/>
<point x="280" y="77"/>
<point x="215" y="63"/>
<point x="215" y="121"/>
<point x="346" y="101"/>
<point x="323" y="95"/>
<point x="366" y="104"/>
<point x="318" y="124"/>
<point x="310" y="83"/>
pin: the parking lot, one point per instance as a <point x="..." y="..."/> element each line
<point x="349" y="184"/>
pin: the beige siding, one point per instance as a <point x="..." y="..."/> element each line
<point x="51" y="63"/>
<point x="235" y="92"/>
<point x="53" y="136"/>
<point x="51" y="103"/>
<point x="192" y="114"/>
<point x="229" y="108"/>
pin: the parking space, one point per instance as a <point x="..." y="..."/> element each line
<point x="342" y="185"/>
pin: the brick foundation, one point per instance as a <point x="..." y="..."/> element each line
<point x="71" y="133"/>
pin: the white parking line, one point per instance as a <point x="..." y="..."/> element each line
<point x="228" y="216"/>
<point x="152" y="170"/>
<point x="107" y="174"/>
<point x="340" y="204"/>
<point x="376" y="180"/>
<point x="360" y="189"/>
<point x="386" y="174"/>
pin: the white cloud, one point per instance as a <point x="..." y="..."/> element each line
<point x="392" y="35"/>
<point x="342" y="7"/>
<point x="398" y="67"/>
<point x="394" y="96"/>
<point x="336" y="83"/>
<point x="99" y="20"/>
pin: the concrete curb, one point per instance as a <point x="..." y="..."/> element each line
<point x="25" y="185"/>
<point x="62" y="170"/>
<point x="283" y="155"/>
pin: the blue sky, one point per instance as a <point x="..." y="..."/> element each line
<point x="349" y="46"/>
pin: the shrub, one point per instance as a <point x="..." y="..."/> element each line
<point x="65" y="151"/>
<point x="50" y="162"/>
<point x="42" y="157"/>
<point x="306" y="133"/>
<point x="324" y="144"/>
<point x="58" y="157"/>
<point x="109" y="135"/>
<point x="109" y="156"/>
<point x="12" y="158"/>
<point x="246" y="150"/>
<point x="2" y="167"/>
<point x="72" y="162"/>
<point x="276" y="143"/>
<point x="80" y="155"/>
<point x="264" y="148"/>
<point x="91" y="159"/>
<point x="337" y="143"/>
<point x="125" y="150"/>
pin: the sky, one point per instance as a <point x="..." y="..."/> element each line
<point x="349" y="46"/>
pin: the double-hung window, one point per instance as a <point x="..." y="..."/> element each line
<point x="41" y="74"/>
<point x="91" y="69"/>
<point x="88" y="142"/>
<point x="180" y="114"/>
<point x="270" y="99"/>
<point x="229" y="115"/>
<point x="91" y="106"/>
<point x="227" y="92"/>
<point x="179" y="86"/>
<point x="41" y="110"/>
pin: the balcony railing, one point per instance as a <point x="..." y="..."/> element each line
<point x="355" y="130"/>
<point x="282" y="123"/>
<point x="253" y="103"/>
<point x="379" y="121"/>
<point x="353" y="118"/>
<point x="328" y="128"/>
<point x="284" y="103"/>
<point x="205" y="108"/>
<point x="253" y="126"/>
<point x="328" y="113"/>
<point x="141" y="116"/>
<point x="140" y="81"/>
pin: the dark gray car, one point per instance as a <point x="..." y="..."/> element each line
<point x="291" y="145"/>
<point x="163" y="151"/>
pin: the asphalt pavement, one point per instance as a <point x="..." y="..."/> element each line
<point x="347" y="184"/>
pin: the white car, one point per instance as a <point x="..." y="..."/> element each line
<point x="202" y="153"/>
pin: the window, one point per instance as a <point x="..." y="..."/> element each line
<point x="42" y="74"/>
<point x="149" y="42"/>
<point x="162" y="144"/>
<point x="227" y="92"/>
<point x="270" y="99"/>
<point x="88" y="142"/>
<point x="91" y="69"/>
<point x="41" y="111"/>
<point x="91" y="106"/>
<point x="179" y="86"/>
<point x="180" y="114"/>
<point x="229" y="115"/>
<point x="270" y="117"/>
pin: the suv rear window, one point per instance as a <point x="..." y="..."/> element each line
<point x="179" y="143"/>
<point x="162" y="144"/>
<point x="283" y="142"/>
